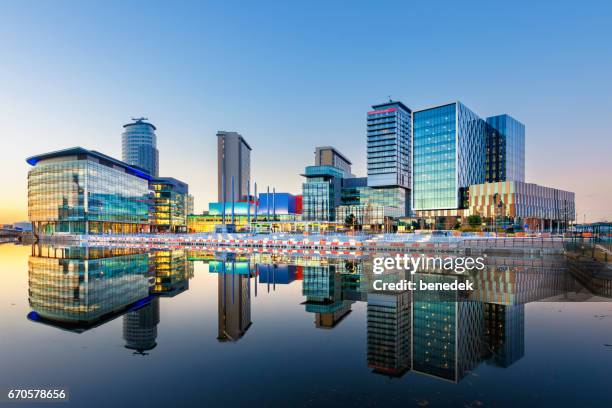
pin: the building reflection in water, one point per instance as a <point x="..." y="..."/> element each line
<point x="78" y="288"/>
<point x="389" y="332"/>
<point x="140" y="327"/>
<point x="504" y="333"/>
<point x="172" y="271"/>
<point x="233" y="296"/>
<point x="444" y="335"/>
<point x="447" y="330"/>
<point x="322" y="287"/>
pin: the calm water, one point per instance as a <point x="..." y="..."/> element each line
<point x="122" y="327"/>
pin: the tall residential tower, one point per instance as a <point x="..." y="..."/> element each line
<point x="389" y="129"/>
<point x="139" y="146"/>
<point x="233" y="160"/>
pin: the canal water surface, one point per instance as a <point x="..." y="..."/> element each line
<point x="128" y="327"/>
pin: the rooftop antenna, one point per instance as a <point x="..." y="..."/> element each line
<point x="390" y="100"/>
<point x="141" y="119"/>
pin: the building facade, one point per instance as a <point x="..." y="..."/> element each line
<point x="169" y="206"/>
<point x="389" y="149"/>
<point x="139" y="146"/>
<point x="330" y="156"/>
<point x="518" y="203"/>
<point x="79" y="191"/>
<point x="233" y="161"/>
<point x="276" y="204"/>
<point x="505" y="149"/>
<point x="321" y="192"/>
<point x="449" y="155"/>
<point x="190" y="204"/>
<point x="370" y="207"/>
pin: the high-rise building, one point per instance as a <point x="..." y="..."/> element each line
<point x="389" y="130"/>
<point x="139" y="146"/>
<point x="449" y="155"/>
<point x="81" y="191"/>
<point x="233" y="160"/>
<point x="505" y="149"/>
<point x="329" y="156"/>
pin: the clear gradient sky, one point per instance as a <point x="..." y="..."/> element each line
<point x="293" y="75"/>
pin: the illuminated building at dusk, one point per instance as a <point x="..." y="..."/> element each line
<point x="81" y="191"/>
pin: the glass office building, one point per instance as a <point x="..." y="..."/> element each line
<point x="321" y="193"/>
<point x="449" y="155"/>
<point x="372" y="205"/>
<point x="79" y="191"/>
<point x="169" y="205"/>
<point x="388" y="133"/>
<point x="139" y="146"/>
<point x="505" y="149"/>
<point x="367" y="216"/>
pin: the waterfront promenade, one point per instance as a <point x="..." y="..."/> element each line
<point x="337" y="244"/>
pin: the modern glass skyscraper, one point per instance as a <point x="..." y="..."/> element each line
<point x="233" y="160"/>
<point x="139" y="146"/>
<point x="389" y="129"/>
<point x="449" y="154"/>
<point x="505" y="149"/>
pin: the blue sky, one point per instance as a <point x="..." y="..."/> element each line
<point x="293" y="75"/>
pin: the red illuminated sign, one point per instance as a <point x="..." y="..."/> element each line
<point x="382" y="111"/>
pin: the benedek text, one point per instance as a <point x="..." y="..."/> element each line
<point x="410" y="285"/>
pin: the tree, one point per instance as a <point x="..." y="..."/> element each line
<point x="350" y="221"/>
<point x="474" y="220"/>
